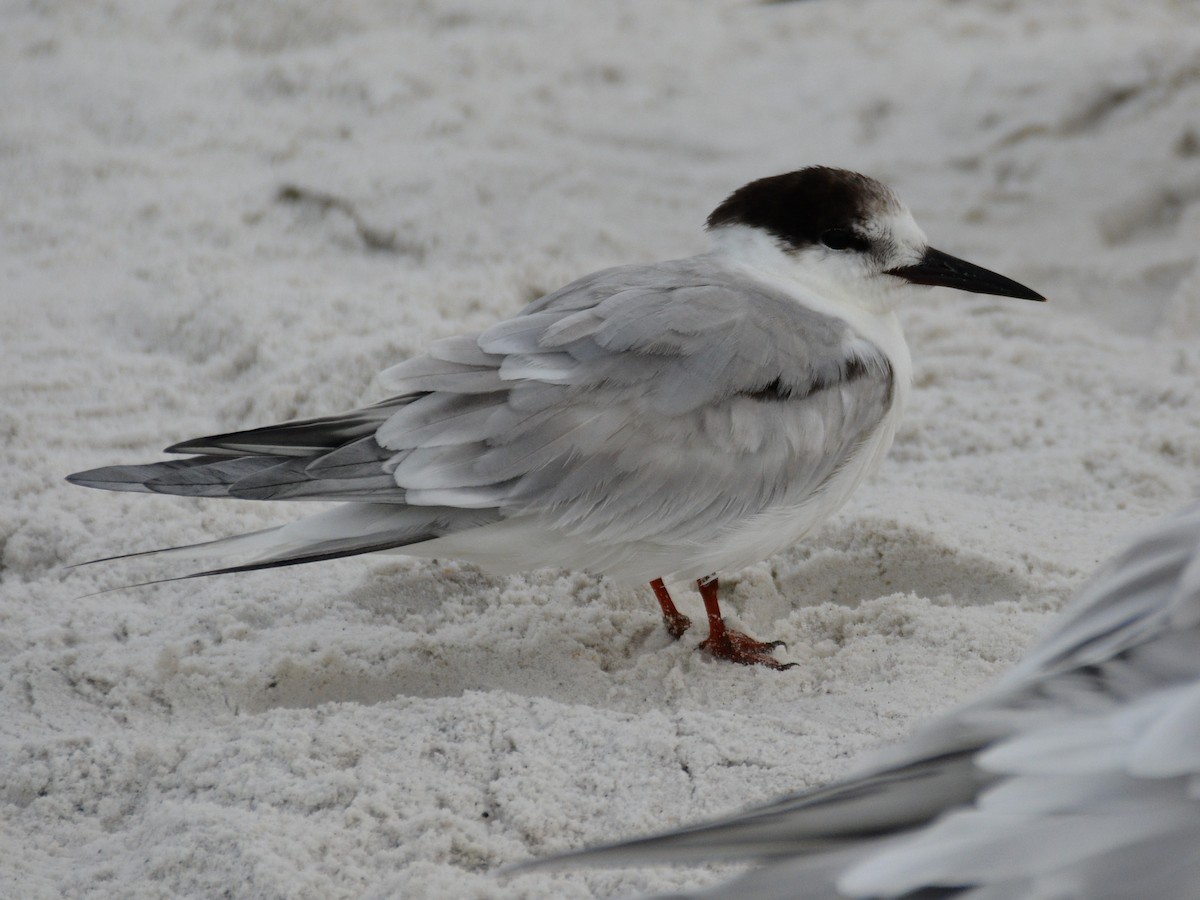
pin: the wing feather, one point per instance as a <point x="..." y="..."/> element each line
<point x="1075" y="777"/>
<point x="608" y="411"/>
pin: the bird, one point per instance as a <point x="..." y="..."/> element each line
<point x="645" y="422"/>
<point x="1073" y="778"/>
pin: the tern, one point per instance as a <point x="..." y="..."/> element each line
<point x="1073" y="778"/>
<point x="645" y="422"/>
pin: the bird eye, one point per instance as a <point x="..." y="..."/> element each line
<point x="841" y="239"/>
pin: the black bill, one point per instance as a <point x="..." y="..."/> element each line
<point x="938" y="268"/>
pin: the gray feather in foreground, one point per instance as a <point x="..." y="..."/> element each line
<point x="1075" y="778"/>
<point x="606" y="413"/>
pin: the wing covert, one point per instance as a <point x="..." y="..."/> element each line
<point x="624" y="395"/>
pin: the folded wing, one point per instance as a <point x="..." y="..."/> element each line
<point x="605" y="412"/>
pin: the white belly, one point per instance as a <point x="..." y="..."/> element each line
<point x="783" y="526"/>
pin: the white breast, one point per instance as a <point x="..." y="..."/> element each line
<point x="796" y="515"/>
<point x="786" y="523"/>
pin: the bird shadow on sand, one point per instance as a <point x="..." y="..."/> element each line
<point x="847" y="563"/>
<point x="442" y="631"/>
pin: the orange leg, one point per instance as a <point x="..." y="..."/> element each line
<point x="677" y="623"/>
<point x="724" y="643"/>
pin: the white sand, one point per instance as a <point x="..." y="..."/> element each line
<point x="387" y="727"/>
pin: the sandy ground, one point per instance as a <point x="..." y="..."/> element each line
<point x="223" y="215"/>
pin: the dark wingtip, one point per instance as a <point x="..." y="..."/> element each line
<point x="103" y="480"/>
<point x="202" y="446"/>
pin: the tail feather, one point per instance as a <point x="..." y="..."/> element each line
<point x="353" y="472"/>
<point x="294" y="479"/>
<point x="831" y="818"/>
<point x="351" y="460"/>
<point x="199" y="476"/>
<point x="304" y="437"/>
<point x="330" y="458"/>
<point x="350" y="529"/>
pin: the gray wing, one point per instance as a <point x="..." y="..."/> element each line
<point x="659" y="402"/>
<point x="1075" y="777"/>
<point x="1137" y="607"/>
<point x="644" y="402"/>
<point x="278" y="462"/>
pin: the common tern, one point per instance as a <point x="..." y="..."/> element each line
<point x="645" y="422"/>
<point x="1074" y="778"/>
